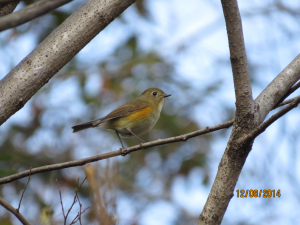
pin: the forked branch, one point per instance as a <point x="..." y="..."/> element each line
<point x="29" y="13"/>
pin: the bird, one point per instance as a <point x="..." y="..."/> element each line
<point x="133" y="118"/>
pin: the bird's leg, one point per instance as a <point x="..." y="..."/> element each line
<point x="119" y="138"/>
<point x="134" y="134"/>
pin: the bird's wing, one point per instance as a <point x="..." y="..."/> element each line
<point x="123" y="110"/>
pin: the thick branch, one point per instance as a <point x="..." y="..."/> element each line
<point x="125" y="151"/>
<point x="234" y="156"/>
<point x="54" y="52"/>
<point x="246" y="119"/>
<point x="276" y="90"/>
<point x="231" y="165"/>
<point x="241" y="77"/>
<point x="14" y="211"/>
<point x="29" y="13"/>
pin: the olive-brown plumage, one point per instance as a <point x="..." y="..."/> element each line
<point x="135" y="117"/>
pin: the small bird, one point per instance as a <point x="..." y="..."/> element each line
<point x="134" y="118"/>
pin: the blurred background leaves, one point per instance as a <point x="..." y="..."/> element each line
<point x="181" y="48"/>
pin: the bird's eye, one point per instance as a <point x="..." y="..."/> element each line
<point x="154" y="93"/>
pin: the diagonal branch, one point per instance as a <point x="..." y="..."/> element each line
<point x="257" y="131"/>
<point x="285" y="102"/>
<point x="29" y="13"/>
<point x="79" y="215"/>
<point x="292" y="90"/>
<point x="54" y="52"/>
<point x="123" y="152"/>
<point x="18" y="209"/>
<point x="61" y="202"/>
<point x="276" y="90"/>
<point x="238" y="57"/>
<point x="14" y="211"/>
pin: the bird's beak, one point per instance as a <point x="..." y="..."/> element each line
<point x="165" y="96"/>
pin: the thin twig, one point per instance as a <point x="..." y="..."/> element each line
<point x="76" y="198"/>
<point x="285" y="102"/>
<point x="80" y="208"/>
<point x="125" y="151"/>
<point x="14" y="211"/>
<point x="268" y="122"/>
<point x="29" y="13"/>
<point x="23" y="192"/>
<point x="82" y="183"/>
<point x="77" y="195"/>
<point x="79" y="214"/>
<point x="74" y="220"/>
<point x="61" y="202"/>
<point x="74" y="201"/>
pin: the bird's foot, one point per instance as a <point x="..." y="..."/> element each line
<point x="124" y="151"/>
<point x="141" y="145"/>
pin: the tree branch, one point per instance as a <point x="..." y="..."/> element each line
<point x="79" y="215"/>
<point x="123" y="152"/>
<point x="80" y="205"/>
<point x="18" y="209"/>
<point x="232" y="163"/>
<point x="245" y="121"/>
<point x="285" y="102"/>
<point x="29" y="13"/>
<point x="292" y="90"/>
<point x="104" y="217"/>
<point x="234" y="156"/>
<point x="54" y="52"/>
<point x="7" y="8"/>
<point x="276" y="90"/>
<point x="253" y="134"/>
<point x="239" y="64"/>
<point x="14" y="211"/>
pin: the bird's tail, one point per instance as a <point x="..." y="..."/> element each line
<point x="83" y="126"/>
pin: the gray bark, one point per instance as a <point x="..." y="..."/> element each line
<point x="29" y="13"/>
<point x="56" y="51"/>
<point x="274" y="92"/>
<point x="248" y="116"/>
